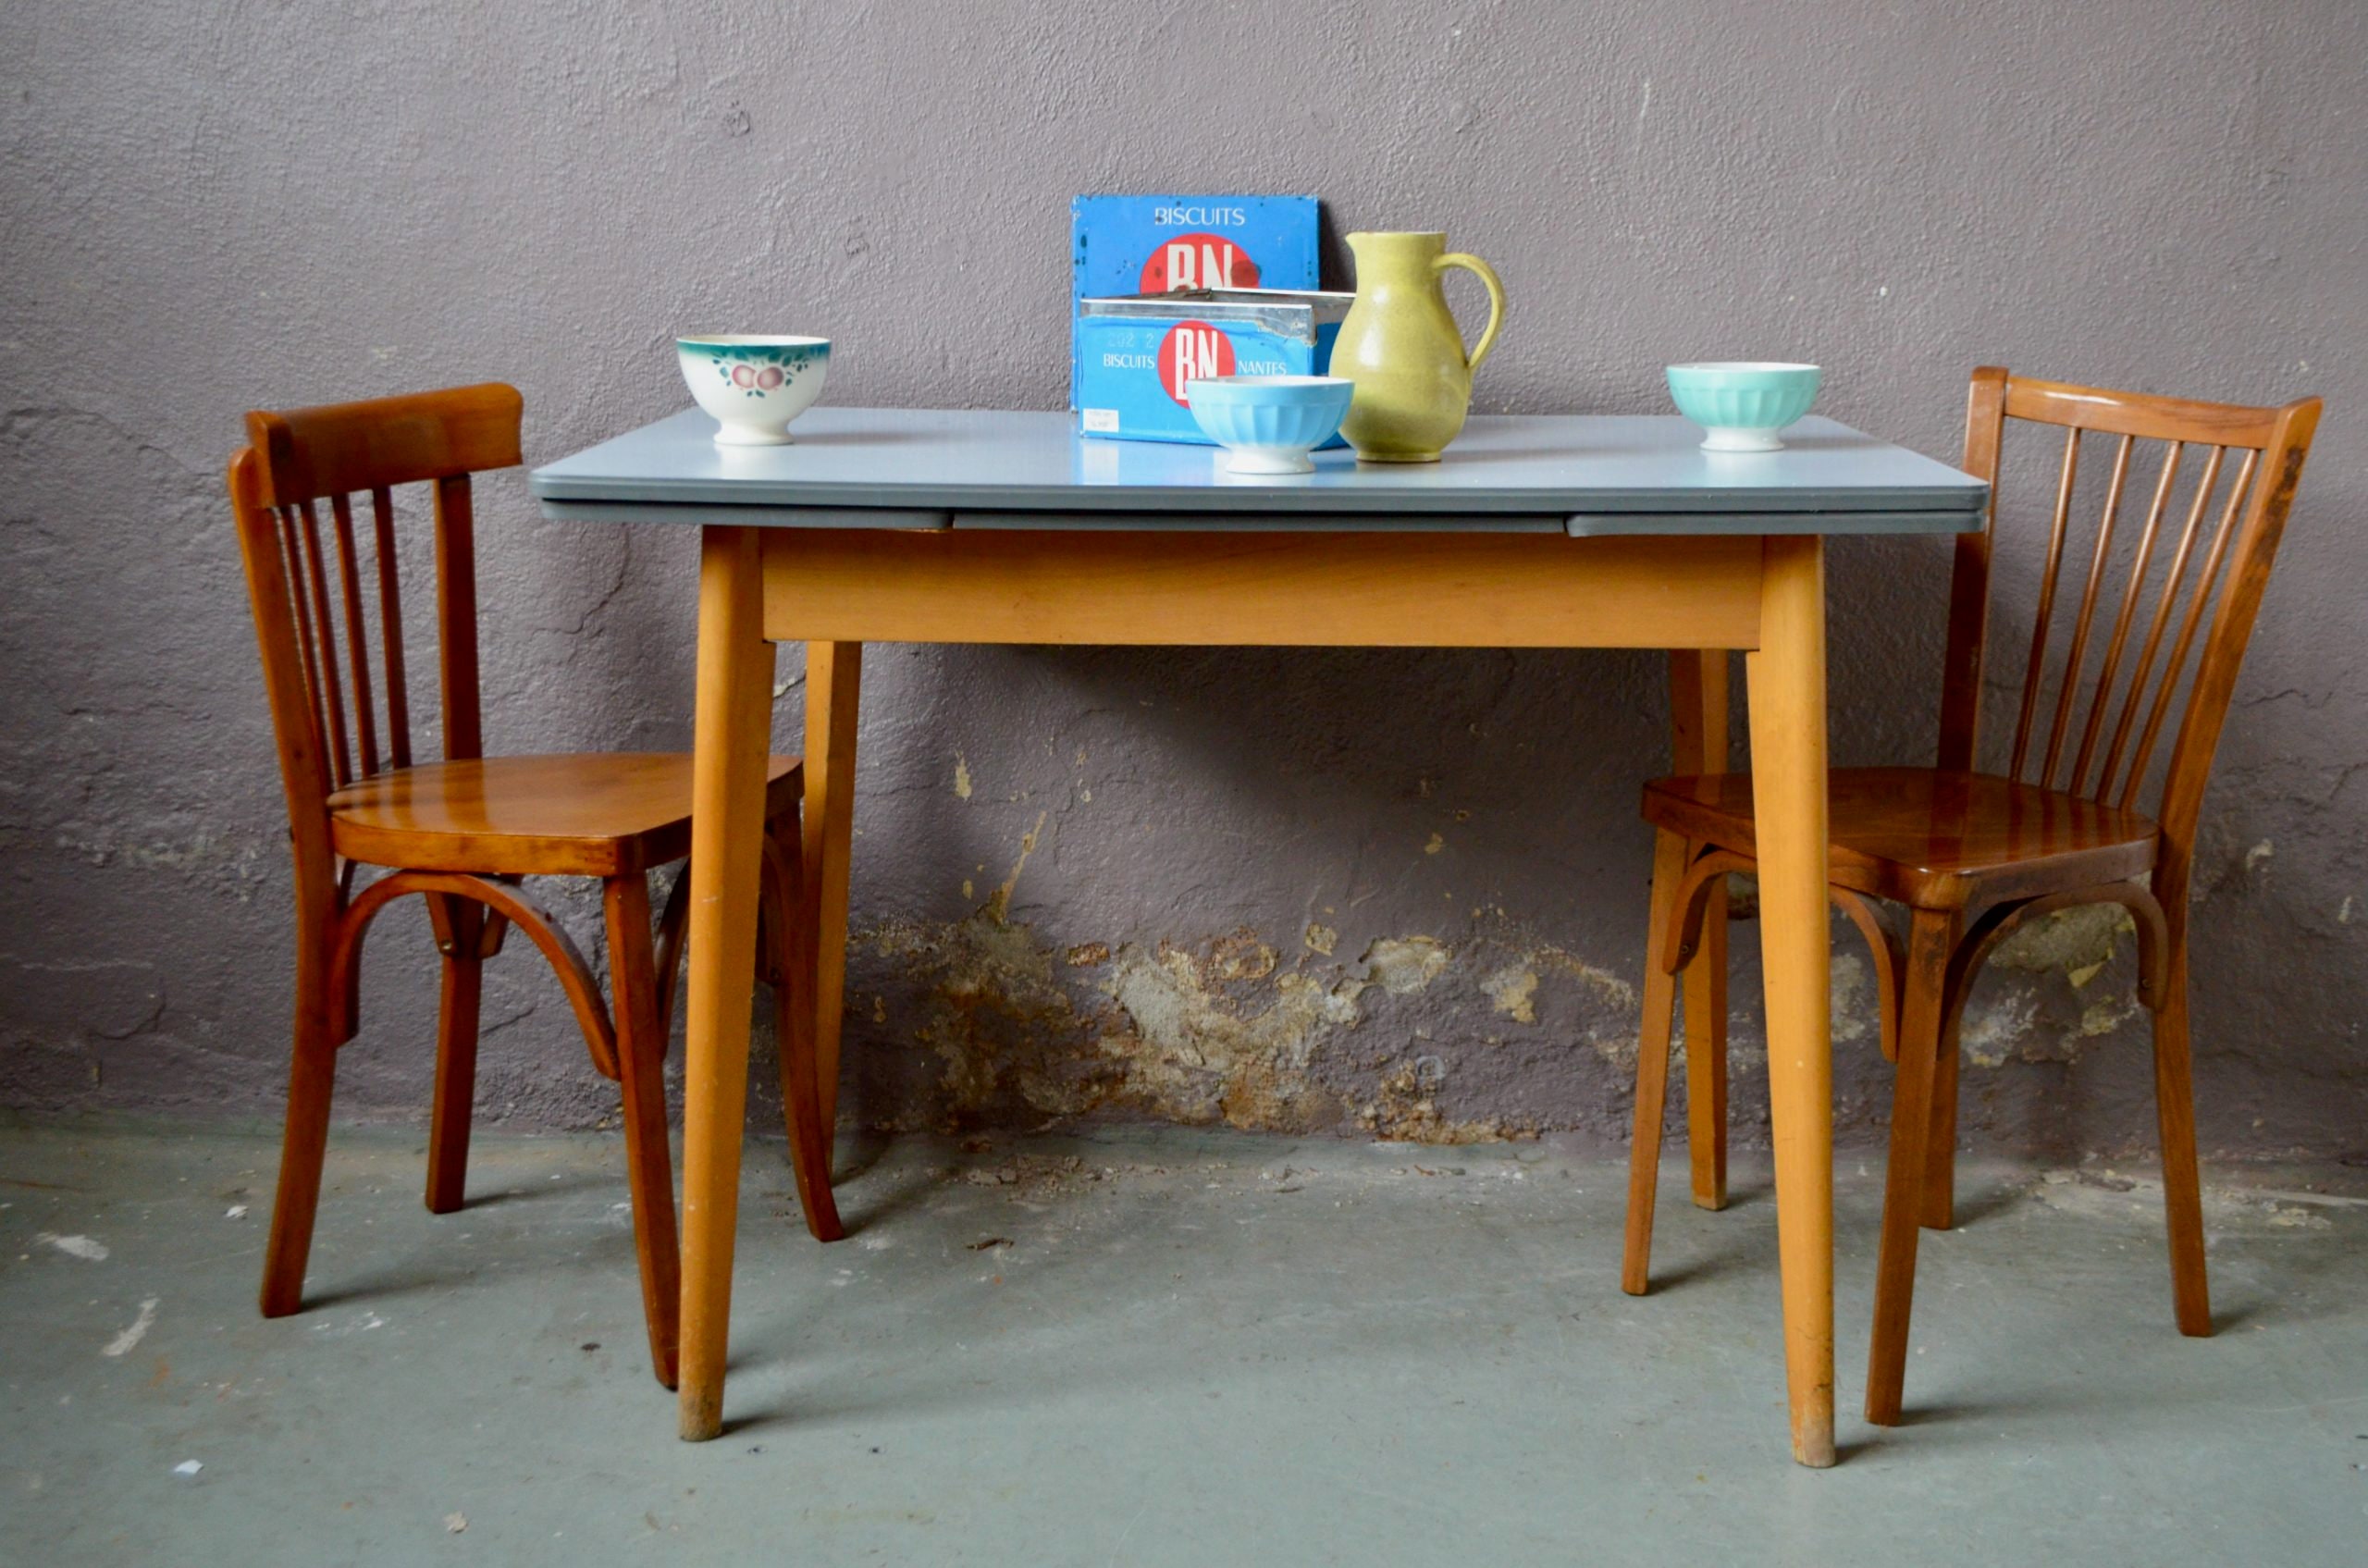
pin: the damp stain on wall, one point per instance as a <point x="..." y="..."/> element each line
<point x="1225" y="1028"/>
<point x="1221" y="1030"/>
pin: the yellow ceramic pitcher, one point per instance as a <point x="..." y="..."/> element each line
<point x="1401" y="347"/>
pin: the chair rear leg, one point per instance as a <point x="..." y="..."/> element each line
<point x="1931" y="939"/>
<point x="460" y="932"/>
<point x="671" y="922"/>
<point x="791" y="940"/>
<point x="304" y="1145"/>
<point x="641" y="1066"/>
<point x="1706" y="1055"/>
<point x="1652" y="1067"/>
<point x="2182" y="1182"/>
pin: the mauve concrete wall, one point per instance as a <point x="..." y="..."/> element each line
<point x="1402" y="890"/>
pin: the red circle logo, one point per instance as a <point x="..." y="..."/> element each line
<point x="1192" y="349"/>
<point x="1198" y="261"/>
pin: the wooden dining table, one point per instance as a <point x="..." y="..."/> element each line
<point x="990" y="526"/>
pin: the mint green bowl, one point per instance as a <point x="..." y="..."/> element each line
<point x="1743" y="405"/>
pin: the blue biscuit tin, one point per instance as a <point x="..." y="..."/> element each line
<point x="1135" y="355"/>
<point x="1123" y="245"/>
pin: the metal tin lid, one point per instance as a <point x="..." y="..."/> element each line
<point x="1285" y="313"/>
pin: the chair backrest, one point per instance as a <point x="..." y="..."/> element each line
<point x="2090" y="718"/>
<point x="325" y="707"/>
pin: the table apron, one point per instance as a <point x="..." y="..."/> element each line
<point x="1220" y="588"/>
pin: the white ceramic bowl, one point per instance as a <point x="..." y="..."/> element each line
<point x="753" y="383"/>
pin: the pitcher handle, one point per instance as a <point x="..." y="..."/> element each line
<point x="1488" y="276"/>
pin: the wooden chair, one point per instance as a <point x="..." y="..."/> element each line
<point x="1972" y="855"/>
<point x="462" y="832"/>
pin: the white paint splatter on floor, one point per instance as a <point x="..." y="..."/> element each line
<point x="86" y="1248"/>
<point x="122" y="1343"/>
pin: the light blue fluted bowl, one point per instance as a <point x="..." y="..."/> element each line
<point x="1743" y="405"/>
<point x="1269" y="424"/>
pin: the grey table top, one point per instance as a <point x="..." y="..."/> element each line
<point x="971" y="468"/>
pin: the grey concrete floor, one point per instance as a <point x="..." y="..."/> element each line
<point x="1149" y="1346"/>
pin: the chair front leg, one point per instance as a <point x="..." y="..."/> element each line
<point x="641" y="1070"/>
<point x="1933" y="939"/>
<point x="1938" y="1201"/>
<point x="305" y="1145"/>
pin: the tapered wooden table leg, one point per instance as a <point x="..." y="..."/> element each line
<point x="728" y="806"/>
<point x="1787" y="689"/>
<point x="834" y="679"/>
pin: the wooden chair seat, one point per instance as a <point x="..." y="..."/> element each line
<point x="1930" y="839"/>
<point x="592" y="814"/>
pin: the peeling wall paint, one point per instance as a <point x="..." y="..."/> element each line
<point x="1396" y="893"/>
<point x="1225" y="1031"/>
<point x="2075" y="946"/>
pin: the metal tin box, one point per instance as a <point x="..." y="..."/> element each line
<point x="1134" y="354"/>
<point x="1122" y="245"/>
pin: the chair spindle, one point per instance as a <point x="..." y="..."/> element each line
<point x="300" y="593"/>
<point x="456" y="618"/>
<point x="357" y="634"/>
<point x="332" y="680"/>
<point x="2172" y="578"/>
<point x="2102" y="697"/>
<point x="390" y="626"/>
<point x="2187" y="625"/>
<point x="2068" y="686"/>
<point x="2032" y="671"/>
